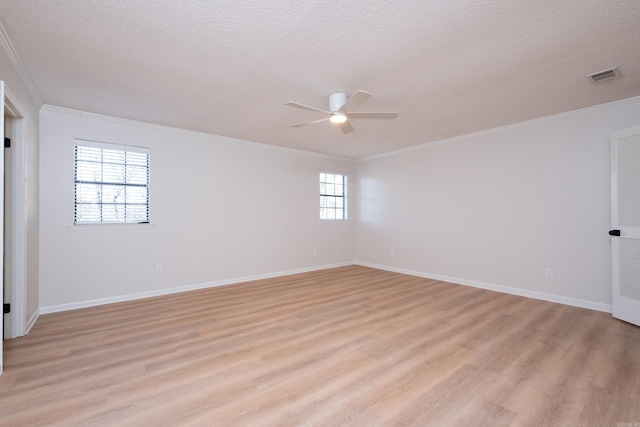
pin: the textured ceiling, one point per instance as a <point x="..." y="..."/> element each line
<point x="228" y="67"/>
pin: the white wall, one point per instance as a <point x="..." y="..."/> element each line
<point x="222" y="209"/>
<point x="492" y="209"/>
<point x="22" y="97"/>
<point x="495" y="209"/>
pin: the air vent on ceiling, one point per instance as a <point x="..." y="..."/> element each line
<point x="601" y="76"/>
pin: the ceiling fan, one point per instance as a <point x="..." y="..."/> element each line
<point x="341" y="110"/>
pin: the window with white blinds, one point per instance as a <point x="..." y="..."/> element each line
<point x="333" y="196"/>
<point x="111" y="184"/>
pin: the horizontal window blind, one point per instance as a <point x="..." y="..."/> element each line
<point x="333" y="196"/>
<point x="111" y="185"/>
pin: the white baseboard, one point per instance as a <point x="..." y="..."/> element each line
<point x="177" y="289"/>
<point x="498" y="288"/>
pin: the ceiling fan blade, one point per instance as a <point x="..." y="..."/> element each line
<point x="373" y="115"/>
<point x="306" y="107"/>
<point x="354" y="101"/>
<point x="297" y="125"/>
<point x="346" y="127"/>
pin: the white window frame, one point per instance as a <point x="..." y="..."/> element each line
<point x="327" y="193"/>
<point x="76" y="181"/>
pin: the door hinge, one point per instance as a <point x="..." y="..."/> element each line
<point x="7" y="142"/>
<point x="6" y="308"/>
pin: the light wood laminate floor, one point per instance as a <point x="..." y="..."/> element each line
<point x="349" y="346"/>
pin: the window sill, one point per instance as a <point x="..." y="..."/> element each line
<point x="109" y="227"/>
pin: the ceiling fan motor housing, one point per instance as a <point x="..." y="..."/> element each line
<point x="336" y="101"/>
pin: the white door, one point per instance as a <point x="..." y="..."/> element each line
<point x="7" y="229"/>
<point x="625" y="224"/>
<point x="1" y="212"/>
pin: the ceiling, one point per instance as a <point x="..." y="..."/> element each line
<point x="228" y="67"/>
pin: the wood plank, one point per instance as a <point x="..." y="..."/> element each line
<point x="344" y="346"/>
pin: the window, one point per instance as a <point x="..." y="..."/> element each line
<point x="111" y="184"/>
<point x="333" y="196"/>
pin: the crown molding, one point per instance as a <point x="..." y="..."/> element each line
<point x="9" y="49"/>
<point x="131" y="122"/>
<point x="635" y="100"/>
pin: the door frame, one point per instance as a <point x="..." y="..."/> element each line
<point x="18" y="245"/>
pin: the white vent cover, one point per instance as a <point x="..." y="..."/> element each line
<point x="601" y="76"/>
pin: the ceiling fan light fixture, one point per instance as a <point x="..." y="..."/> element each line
<point x="338" y="118"/>
<point x="341" y="110"/>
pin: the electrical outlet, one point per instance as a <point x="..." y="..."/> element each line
<point x="159" y="269"/>
<point x="549" y="272"/>
<point x="315" y="252"/>
<point x="392" y="252"/>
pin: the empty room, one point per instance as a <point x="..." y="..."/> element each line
<point x="278" y="213"/>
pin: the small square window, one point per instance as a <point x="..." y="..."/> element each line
<point x="333" y="196"/>
<point x="111" y="184"/>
